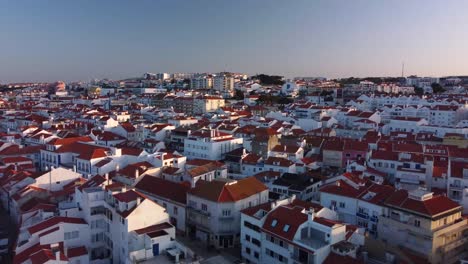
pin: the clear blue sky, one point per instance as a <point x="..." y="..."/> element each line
<point x="84" y="39"/>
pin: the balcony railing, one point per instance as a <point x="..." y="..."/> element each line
<point x="226" y="218"/>
<point x="198" y="211"/>
<point x="362" y="215"/>
<point x="456" y="187"/>
<point x="454" y="244"/>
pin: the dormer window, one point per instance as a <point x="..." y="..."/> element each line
<point x="274" y="223"/>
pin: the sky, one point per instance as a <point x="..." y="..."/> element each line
<point x="81" y="40"/>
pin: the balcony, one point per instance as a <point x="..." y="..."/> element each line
<point x="456" y="187"/>
<point x="362" y="215"/>
<point x="453" y="245"/>
<point x="198" y="211"/>
<point x="199" y="219"/>
<point x="226" y="218"/>
<point x="300" y="259"/>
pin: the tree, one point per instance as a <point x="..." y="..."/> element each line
<point x="269" y="79"/>
<point x="325" y="93"/>
<point x="437" y="88"/>
<point x="284" y="100"/>
<point x="302" y="93"/>
<point x="238" y="95"/>
<point x="418" y="90"/>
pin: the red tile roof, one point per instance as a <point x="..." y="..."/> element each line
<point x="77" y="251"/>
<point x="84" y="151"/>
<point x="433" y="206"/>
<point x="15" y="159"/>
<point x="163" y="188"/>
<point x="153" y="228"/>
<point x="25" y="254"/>
<point x="284" y="216"/>
<point x="66" y="141"/>
<point x="227" y="192"/>
<point x="286" y="148"/>
<point x="457" y="168"/>
<point x="276" y="161"/>
<point x="127" y="196"/>
<point x="45" y="255"/>
<point x="54" y="221"/>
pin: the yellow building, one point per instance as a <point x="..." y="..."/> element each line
<point x="455" y="139"/>
<point x="428" y="225"/>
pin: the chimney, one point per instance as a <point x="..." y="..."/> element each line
<point x="118" y="152"/>
<point x="137" y="173"/>
<point x="57" y="255"/>
<point x="117" y="168"/>
<point x="274" y="204"/>
<point x="192" y="184"/>
<point x="74" y="167"/>
<point x="138" y="200"/>
<point x="107" y="178"/>
<point x="310" y="215"/>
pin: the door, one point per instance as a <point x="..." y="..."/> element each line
<point x="155" y="249"/>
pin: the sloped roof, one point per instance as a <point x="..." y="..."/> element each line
<point x="167" y="189"/>
<point x="54" y="221"/>
<point x="228" y="191"/>
<point x="433" y="206"/>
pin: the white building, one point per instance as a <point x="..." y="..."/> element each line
<point x="293" y="231"/>
<point x="210" y="144"/>
<point x="223" y="82"/>
<point x="213" y="209"/>
<point x="357" y="202"/>
<point x="202" y="82"/>
<point x="119" y="222"/>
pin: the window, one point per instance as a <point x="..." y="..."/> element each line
<point x="175" y="210"/>
<point x="417" y="223"/>
<point x="247" y="237"/>
<point x="251" y="226"/>
<point x="342" y="205"/>
<point x="274" y="222"/>
<point x="226" y="212"/>
<point x="204" y="207"/>
<point x="71" y="235"/>
<point x="247" y="250"/>
<point x="256" y="242"/>
<point x="256" y="255"/>
<point x="286" y="228"/>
